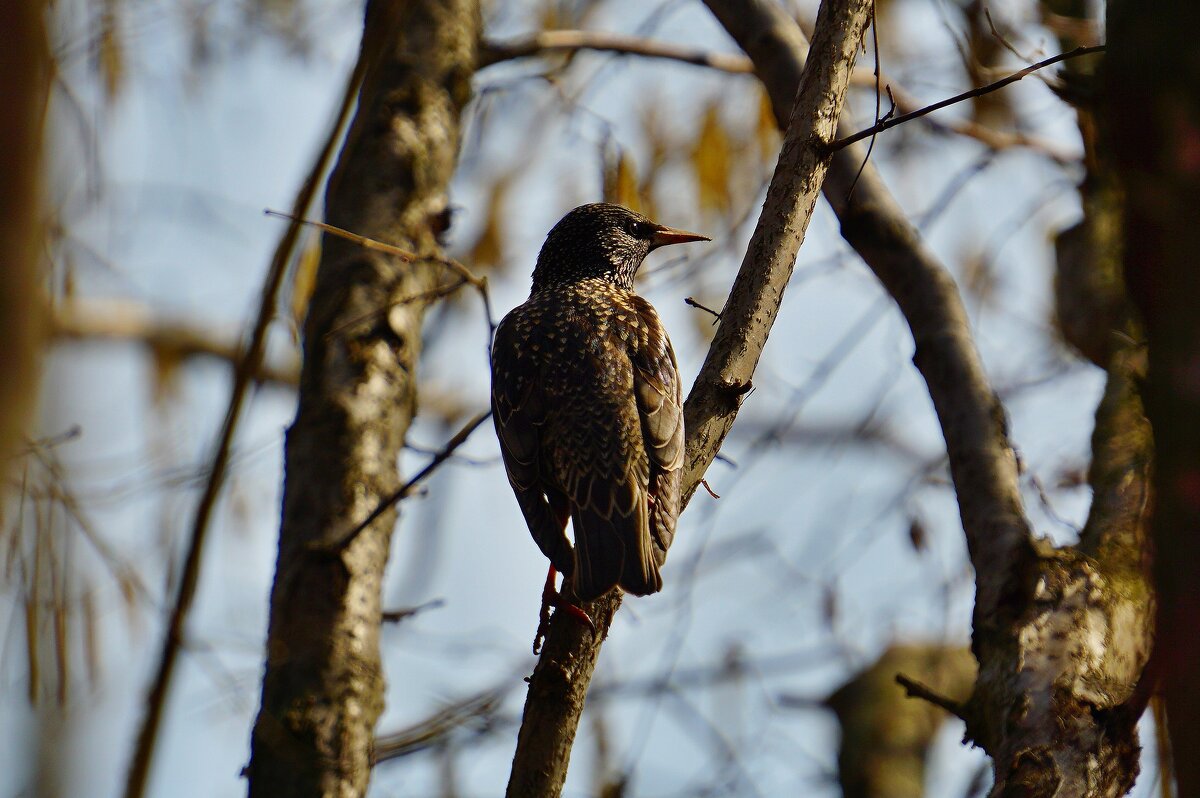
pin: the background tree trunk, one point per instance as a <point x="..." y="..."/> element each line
<point x="323" y="687"/>
<point x="1151" y="95"/>
<point x="24" y="63"/>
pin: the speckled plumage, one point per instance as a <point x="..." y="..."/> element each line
<point x="588" y="407"/>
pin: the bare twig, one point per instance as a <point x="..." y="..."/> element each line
<point x="465" y="274"/>
<point x="422" y="296"/>
<point x="571" y="41"/>
<point x="388" y="249"/>
<point x="148" y="734"/>
<point x="886" y="124"/>
<point x="407" y="488"/>
<point x="915" y="689"/>
<point x="691" y="302"/>
<point x="478" y="709"/>
<point x="396" y="616"/>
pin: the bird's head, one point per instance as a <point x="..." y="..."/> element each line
<point x="601" y="240"/>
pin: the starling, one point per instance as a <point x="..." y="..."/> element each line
<point x="587" y="404"/>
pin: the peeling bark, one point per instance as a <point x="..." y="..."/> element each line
<point x="559" y="684"/>
<point x="323" y="686"/>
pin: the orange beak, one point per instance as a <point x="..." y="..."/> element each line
<point x="668" y="235"/>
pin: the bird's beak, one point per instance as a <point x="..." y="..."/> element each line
<point x="669" y="235"/>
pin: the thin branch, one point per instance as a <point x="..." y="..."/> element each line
<point x="572" y="41"/>
<point x="872" y="222"/>
<point x="148" y="734"/>
<point x="569" y="41"/>
<point x="479" y="283"/>
<point x="479" y="709"/>
<point x="407" y="488"/>
<point x="915" y="689"/>
<point x="691" y="302"/>
<point x="388" y="249"/>
<point x="437" y="292"/>
<point x="396" y="616"/>
<point x="887" y="124"/>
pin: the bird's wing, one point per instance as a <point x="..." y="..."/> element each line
<point x="519" y="413"/>
<point x="660" y="407"/>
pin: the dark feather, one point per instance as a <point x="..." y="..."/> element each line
<point x="588" y="406"/>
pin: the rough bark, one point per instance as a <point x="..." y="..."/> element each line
<point x="1150" y="91"/>
<point x="886" y="736"/>
<point x="25" y="65"/>
<point x="323" y="686"/>
<point x="559" y="683"/>
<point x="1061" y="636"/>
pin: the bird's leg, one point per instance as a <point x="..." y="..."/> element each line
<point x="552" y="598"/>
<point x="574" y="610"/>
<point x="549" y="597"/>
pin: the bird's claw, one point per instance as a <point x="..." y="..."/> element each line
<point x="552" y="598"/>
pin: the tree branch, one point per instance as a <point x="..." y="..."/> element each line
<point x="405" y="490"/>
<point x="87" y="320"/>
<point x="559" y="683"/>
<point x="887" y="124"/>
<point x="982" y="463"/>
<point x="886" y="736"/>
<point x="572" y="41"/>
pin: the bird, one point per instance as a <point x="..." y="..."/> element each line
<point x="587" y="404"/>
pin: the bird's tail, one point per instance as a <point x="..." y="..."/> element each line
<point x="614" y="551"/>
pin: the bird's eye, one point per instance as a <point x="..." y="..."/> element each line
<point x="633" y="227"/>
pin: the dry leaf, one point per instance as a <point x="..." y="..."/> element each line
<point x="712" y="160"/>
<point x="620" y="182"/>
<point x="304" y="279"/>
<point x="488" y="250"/>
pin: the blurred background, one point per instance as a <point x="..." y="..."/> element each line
<point x="173" y="124"/>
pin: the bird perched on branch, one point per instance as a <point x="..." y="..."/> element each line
<point x="587" y="404"/>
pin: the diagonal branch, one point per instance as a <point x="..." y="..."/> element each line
<point x="887" y="124"/>
<point x="405" y="490"/>
<point x="559" y="683"/>
<point x="982" y="463"/>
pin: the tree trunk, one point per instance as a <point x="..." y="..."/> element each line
<point x="323" y="687"/>
<point x="1151" y="109"/>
